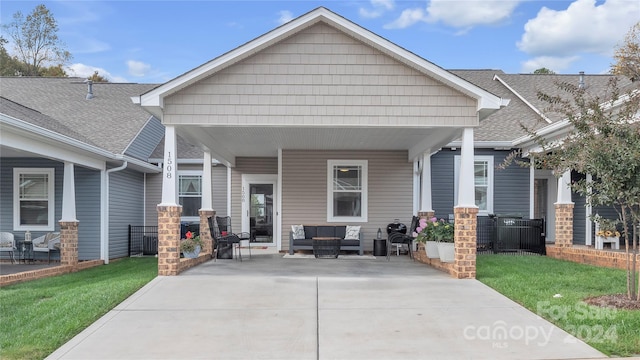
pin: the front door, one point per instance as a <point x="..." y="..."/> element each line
<point x="258" y="208"/>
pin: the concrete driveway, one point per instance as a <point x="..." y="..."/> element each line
<point x="270" y="307"/>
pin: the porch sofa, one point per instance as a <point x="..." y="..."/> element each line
<point x="297" y="242"/>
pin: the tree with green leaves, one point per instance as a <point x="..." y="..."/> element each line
<point x="9" y="66"/>
<point x="36" y="42"/>
<point x="544" y="70"/>
<point x="627" y="55"/>
<point x="605" y="143"/>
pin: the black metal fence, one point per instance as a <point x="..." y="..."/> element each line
<point x="511" y="234"/>
<point x="143" y="240"/>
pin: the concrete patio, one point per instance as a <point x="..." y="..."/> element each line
<point x="269" y="307"/>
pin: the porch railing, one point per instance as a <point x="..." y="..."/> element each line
<point x="143" y="240"/>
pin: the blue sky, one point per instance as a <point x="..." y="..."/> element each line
<point x="155" y="41"/>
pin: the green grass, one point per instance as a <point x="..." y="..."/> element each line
<point x="532" y="281"/>
<point x="39" y="316"/>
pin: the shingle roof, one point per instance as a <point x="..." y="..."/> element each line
<point x="506" y="123"/>
<point x="110" y="120"/>
<point x="34" y="117"/>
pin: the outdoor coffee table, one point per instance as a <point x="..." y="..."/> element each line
<point x="326" y="246"/>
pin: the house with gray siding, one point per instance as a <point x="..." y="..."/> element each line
<point x="67" y="158"/>
<point x="319" y="121"/>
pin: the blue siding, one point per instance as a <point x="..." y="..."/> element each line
<point x="126" y="206"/>
<point x="6" y="192"/>
<point x="147" y="140"/>
<point x="88" y="212"/>
<point x="510" y="186"/>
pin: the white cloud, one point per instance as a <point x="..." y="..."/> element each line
<point x="138" y="68"/>
<point x="285" y="16"/>
<point x="84" y="71"/>
<point x="557" y="64"/>
<point x="464" y="14"/>
<point x="379" y="7"/>
<point x="458" y="14"/>
<point x="583" y="27"/>
<point x="406" y="19"/>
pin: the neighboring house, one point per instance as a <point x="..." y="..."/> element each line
<point x="68" y="157"/>
<point x="518" y="190"/>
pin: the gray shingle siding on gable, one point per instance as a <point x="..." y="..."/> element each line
<point x="88" y="207"/>
<point x="147" y="140"/>
<point x="126" y="206"/>
<point x="510" y="187"/>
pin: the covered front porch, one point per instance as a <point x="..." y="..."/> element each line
<point x="307" y="101"/>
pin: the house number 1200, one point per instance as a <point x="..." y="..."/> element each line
<point x="168" y="166"/>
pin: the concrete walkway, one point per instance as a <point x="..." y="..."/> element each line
<point x="274" y="308"/>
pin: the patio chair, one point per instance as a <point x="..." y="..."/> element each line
<point x="221" y="240"/>
<point x="47" y="243"/>
<point x="396" y="238"/>
<point x="8" y="244"/>
<point x="224" y="224"/>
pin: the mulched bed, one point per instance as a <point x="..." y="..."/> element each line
<point x="617" y="301"/>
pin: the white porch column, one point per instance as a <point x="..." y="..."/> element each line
<point x="588" y="224"/>
<point x="466" y="213"/>
<point x="532" y="182"/>
<point x="207" y="199"/>
<point x="69" y="193"/>
<point x="466" y="185"/>
<point x="169" y="173"/>
<point x="416" y="186"/>
<point x="426" y="205"/>
<point x="564" y="188"/>
<point x="564" y="212"/>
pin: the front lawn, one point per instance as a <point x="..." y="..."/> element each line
<point x="555" y="290"/>
<point x="39" y="316"/>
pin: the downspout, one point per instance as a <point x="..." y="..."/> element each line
<point x="105" y="220"/>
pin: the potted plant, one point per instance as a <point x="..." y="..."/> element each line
<point x="425" y="234"/>
<point x="606" y="231"/>
<point x="191" y="245"/>
<point x="444" y="234"/>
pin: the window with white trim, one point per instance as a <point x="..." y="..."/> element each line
<point x="33" y="199"/>
<point x="190" y="194"/>
<point x="347" y="190"/>
<point x="483" y="182"/>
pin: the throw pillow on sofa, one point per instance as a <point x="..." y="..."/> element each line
<point x="352" y="233"/>
<point x="298" y="232"/>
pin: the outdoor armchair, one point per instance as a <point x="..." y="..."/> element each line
<point x="47" y="243"/>
<point x="8" y="244"/>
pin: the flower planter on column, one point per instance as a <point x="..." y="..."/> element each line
<point x="446" y="251"/>
<point x="431" y="249"/>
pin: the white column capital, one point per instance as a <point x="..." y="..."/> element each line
<point x="169" y="168"/>
<point x="426" y="204"/>
<point x="564" y="188"/>
<point x="207" y="202"/>
<point x="466" y="185"/>
<point x="69" y="193"/>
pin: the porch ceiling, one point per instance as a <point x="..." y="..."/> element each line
<point x="227" y="143"/>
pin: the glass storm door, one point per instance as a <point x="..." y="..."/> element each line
<point x="258" y="208"/>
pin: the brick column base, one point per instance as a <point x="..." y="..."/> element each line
<point x="69" y="243"/>
<point x="466" y="220"/>
<point x="205" y="232"/>
<point x="426" y="214"/>
<point x="564" y="225"/>
<point x="169" y="240"/>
